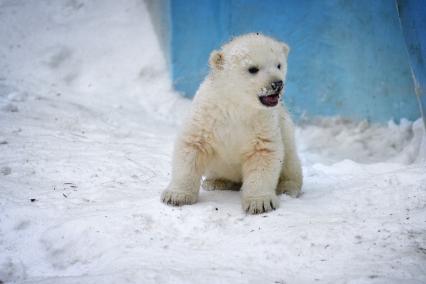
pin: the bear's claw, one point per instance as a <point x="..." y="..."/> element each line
<point x="178" y="198"/>
<point x="260" y="204"/>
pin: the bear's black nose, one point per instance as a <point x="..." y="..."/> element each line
<point x="277" y="85"/>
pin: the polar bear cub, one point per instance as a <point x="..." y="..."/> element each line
<point x="238" y="134"/>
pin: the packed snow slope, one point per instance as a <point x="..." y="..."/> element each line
<point x="87" y="123"/>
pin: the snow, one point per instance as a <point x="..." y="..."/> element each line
<point x="87" y="124"/>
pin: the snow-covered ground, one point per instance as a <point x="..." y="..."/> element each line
<point x="87" y="123"/>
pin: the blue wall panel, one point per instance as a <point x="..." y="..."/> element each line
<point x="347" y="57"/>
<point x="413" y="21"/>
<point x="197" y="28"/>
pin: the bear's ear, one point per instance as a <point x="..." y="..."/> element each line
<point x="286" y="49"/>
<point x="216" y="60"/>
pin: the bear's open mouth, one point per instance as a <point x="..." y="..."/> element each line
<point x="270" y="100"/>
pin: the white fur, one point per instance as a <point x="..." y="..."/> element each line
<point x="231" y="138"/>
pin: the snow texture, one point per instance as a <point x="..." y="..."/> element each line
<point x="87" y="124"/>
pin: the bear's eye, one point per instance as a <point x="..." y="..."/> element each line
<point x="253" y="70"/>
<point x="279" y="66"/>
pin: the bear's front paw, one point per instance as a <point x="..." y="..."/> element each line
<point x="289" y="187"/>
<point x="260" y="204"/>
<point x="178" y="198"/>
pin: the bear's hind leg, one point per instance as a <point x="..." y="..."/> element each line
<point x="289" y="187"/>
<point x="291" y="176"/>
<point x="220" y="184"/>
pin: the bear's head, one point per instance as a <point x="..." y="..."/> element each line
<point x="252" y="69"/>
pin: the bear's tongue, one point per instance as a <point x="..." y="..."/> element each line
<point x="271" y="100"/>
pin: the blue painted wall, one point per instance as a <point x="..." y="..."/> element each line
<point x="347" y="57"/>
<point x="413" y="21"/>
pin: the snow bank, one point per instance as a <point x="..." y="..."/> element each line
<point x="87" y="123"/>
<point x="102" y="52"/>
<point x="330" y="140"/>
